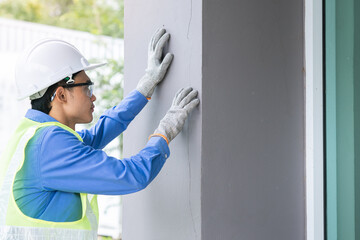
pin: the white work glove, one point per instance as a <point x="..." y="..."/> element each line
<point x="157" y="67"/>
<point x="184" y="102"/>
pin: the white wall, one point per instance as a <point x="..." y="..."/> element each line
<point x="170" y="207"/>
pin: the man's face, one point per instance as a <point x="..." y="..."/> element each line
<point x="80" y="105"/>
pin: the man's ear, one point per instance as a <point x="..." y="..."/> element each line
<point x="61" y="95"/>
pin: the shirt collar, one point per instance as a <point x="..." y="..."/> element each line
<point x="39" y="116"/>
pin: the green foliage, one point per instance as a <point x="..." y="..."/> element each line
<point x="101" y="17"/>
<point x="109" y="87"/>
<point x="104" y="238"/>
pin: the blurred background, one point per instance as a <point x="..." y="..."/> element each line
<point x="96" y="28"/>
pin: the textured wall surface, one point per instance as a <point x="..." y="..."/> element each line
<point x="169" y="208"/>
<point x="253" y="120"/>
<point x="237" y="170"/>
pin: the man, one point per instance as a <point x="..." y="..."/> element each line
<point x="48" y="169"/>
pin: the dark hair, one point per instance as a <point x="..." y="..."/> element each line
<point x="43" y="104"/>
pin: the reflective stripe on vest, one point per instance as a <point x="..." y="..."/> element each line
<point x="13" y="223"/>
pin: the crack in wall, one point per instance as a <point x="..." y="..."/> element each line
<point x="188" y="137"/>
<point x="188" y="30"/>
<point x="189" y="164"/>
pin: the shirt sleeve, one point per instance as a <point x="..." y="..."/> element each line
<point x="67" y="164"/>
<point x="114" y="121"/>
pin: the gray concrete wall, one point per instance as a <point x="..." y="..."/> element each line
<point x="253" y="120"/>
<point x="237" y="170"/>
<point x="170" y="207"/>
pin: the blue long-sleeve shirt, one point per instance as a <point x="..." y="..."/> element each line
<point x="58" y="166"/>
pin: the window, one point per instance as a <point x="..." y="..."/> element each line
<point x="342" y="132"/>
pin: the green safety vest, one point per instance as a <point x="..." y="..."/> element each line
<point x="16" y="225"/>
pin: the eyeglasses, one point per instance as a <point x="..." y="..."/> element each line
<point x="90" y="87"/>
<point x="70" y="84"/>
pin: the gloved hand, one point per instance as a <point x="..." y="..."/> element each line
<point x="157" y="67"/>
<point x="184" y="102"/>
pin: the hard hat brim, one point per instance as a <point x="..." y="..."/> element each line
<point x="94" y="65"/>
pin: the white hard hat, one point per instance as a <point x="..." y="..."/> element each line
<point x="46" y="63"/>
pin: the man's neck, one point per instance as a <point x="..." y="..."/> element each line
<point x="60" y="117"/>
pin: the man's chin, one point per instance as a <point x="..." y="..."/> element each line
<point x="86" y="121"/>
